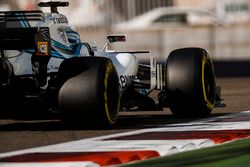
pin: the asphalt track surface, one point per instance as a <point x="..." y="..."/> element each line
<point x="27" y="133"/>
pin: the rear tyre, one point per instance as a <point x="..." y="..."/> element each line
<point x="190" y="82"/>
<point x="90" y="95"/>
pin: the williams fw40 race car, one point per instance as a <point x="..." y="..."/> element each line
<point x="43" y="58"/>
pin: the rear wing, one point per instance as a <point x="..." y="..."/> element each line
<point x="37" y="38"/>
<point x="16" y="32"/>
<point x="22" y="19"/>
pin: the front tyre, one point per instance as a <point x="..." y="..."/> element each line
<point x="91" y="97"/>
<point x="190" y="82"/>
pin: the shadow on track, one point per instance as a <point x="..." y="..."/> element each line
<point x="49" y="122"/>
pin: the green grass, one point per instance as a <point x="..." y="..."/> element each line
<point x="236" y="153"/>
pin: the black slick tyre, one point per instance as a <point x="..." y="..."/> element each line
<point x="90" y="92"/>
<point x="190" y="82"/>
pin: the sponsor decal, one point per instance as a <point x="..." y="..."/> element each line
<point x="60" y="20"/>
<point x="42" y="49"/>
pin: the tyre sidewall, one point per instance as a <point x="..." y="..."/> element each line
<point x="84" y="98"/>
<point x="109" y="102"/>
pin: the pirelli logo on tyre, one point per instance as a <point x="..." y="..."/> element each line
<point x="42" y="48"/>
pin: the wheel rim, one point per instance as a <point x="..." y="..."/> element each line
<point x="209" y="84"/>
<point x="111" y="95"/>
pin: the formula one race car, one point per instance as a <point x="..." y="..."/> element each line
<point x="43" y="58"/>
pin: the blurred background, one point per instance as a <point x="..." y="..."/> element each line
<point x="222" y="27"/>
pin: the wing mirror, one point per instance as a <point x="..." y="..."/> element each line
<point x="112" y="39"/>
